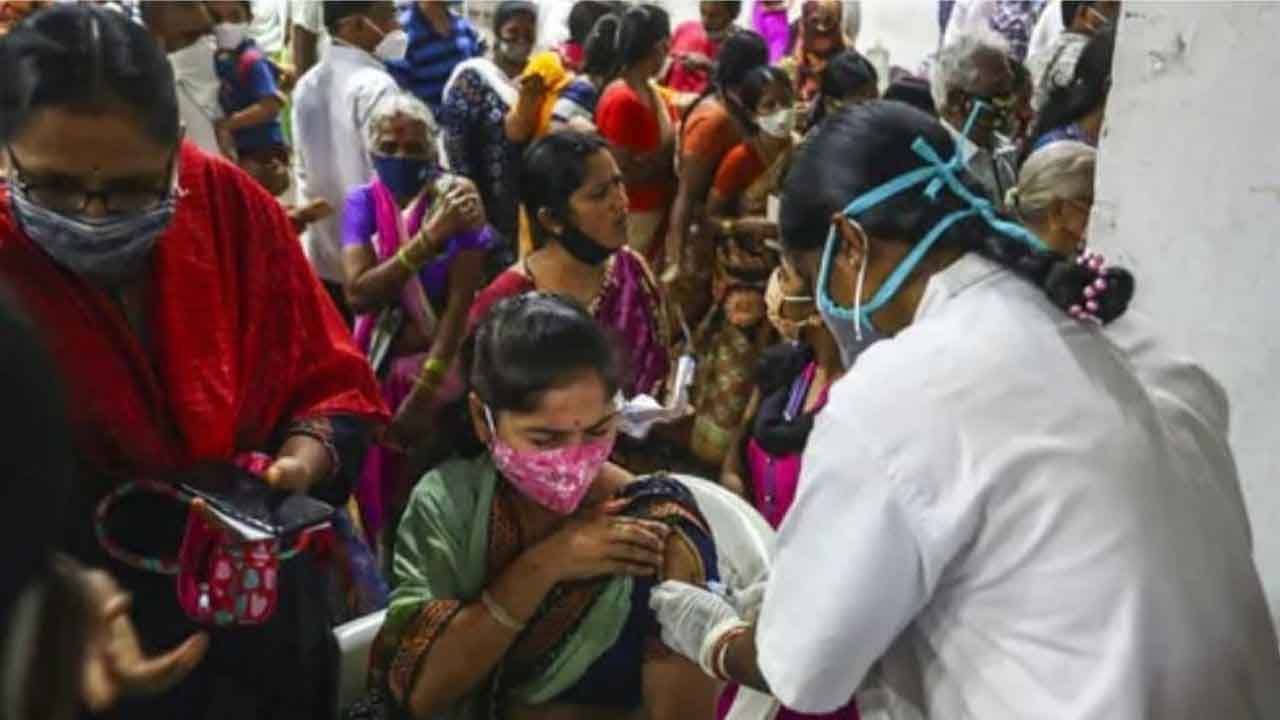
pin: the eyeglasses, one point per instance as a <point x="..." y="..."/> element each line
<point x="58" y="197"/>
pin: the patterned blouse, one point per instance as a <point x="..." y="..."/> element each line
<point x="476" y="144"/>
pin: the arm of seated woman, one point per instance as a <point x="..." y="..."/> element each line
<point x="674" y="687"/>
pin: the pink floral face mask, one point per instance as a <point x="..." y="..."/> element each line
<point x="556" y="479"/>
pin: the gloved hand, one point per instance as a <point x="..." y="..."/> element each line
<point x="748" y="600"/>
<point x="692" y="620"/>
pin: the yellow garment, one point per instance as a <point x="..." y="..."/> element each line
<point x="555" y="79"/>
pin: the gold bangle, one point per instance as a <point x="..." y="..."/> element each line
<point x="727" y="226"/>
<point x="434" y="367"/>
<point x="499" y="613"/>
<point x="402" y="257"/>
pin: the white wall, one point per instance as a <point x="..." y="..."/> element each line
<point x="1189" y="199"/>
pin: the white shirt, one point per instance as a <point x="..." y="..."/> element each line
<point x="331" y="109"/>
<point x="1048" y="27"/>
<point x="270" y="18"/>
<point x="995" y="506"/>
<point x="1055" y="66"/>
<point x="996" y="175"/>
<point x="969" y="17"/>
<point x="197" y="119"/>
<point x="310" y="15"/>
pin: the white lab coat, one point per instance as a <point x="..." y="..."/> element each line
<point x="332" y="106"/>
<point x="1019" y="518"/>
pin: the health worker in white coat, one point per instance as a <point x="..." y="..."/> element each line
<point x="1001" y="515"/>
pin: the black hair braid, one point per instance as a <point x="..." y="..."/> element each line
<point x="1064" y="280"/>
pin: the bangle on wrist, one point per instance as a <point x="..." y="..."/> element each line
<point x="728" y="226"/>
<point x="715" y="646"/>
<point x="434" y="367"/>
<point x="718" y="668"/>
<point x="402" y="257"/>
<point x="499" y="613"/>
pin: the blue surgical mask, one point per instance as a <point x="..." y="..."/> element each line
<point x="105" y="250"/>
<point x="405" y="176"/>
<point x="853" y="333"/>
<point x="852" y="327"/>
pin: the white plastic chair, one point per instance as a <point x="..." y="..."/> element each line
<point x="355" y="640"/>
<point x="744" y="540"/>
<point x="744" y="549"/>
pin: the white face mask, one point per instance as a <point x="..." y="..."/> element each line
<point x="393" y="45"/>
<point x="778" y="124"/>
<point x="230" y="35"/>
<point x="194" y="70"/>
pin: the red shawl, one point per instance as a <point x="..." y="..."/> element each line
<point x="241" y="339"/>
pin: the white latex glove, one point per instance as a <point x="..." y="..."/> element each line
<point x="692" y="620"/>
<point x="748" y="600"/>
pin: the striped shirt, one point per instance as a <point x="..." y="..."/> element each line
<point x="431" y="58"/>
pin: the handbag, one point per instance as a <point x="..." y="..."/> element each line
<point x="227" y="565"/>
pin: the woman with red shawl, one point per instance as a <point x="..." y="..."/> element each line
<point x="188" y="329"/>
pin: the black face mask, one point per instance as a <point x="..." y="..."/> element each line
<point x="581" y="247"/>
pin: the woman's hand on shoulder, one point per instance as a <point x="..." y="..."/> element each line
<point x="602" y="543"/>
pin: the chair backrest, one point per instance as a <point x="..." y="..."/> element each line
<point x="355" y="640"/>
<point x="744" y="540"/>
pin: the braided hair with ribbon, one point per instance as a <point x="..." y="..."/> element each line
<point x="897" y="172"/>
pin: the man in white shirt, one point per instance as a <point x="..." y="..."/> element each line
<point x="185" y="32"/>
<point x="973" y="77"/>
<point x="331" y="109"/>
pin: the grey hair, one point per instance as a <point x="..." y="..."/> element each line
<point x="396" y="104"/>
<point x="954" y="66"/>
<point x="1060" y="170"/>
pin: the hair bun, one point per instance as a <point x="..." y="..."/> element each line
<point x="1120" y="288"/>
<point x="1086" y="292"/>
<point x="1011" y="199"/>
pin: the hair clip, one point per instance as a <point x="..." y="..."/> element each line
<point x="1087" y="309"/>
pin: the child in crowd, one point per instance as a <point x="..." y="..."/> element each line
<point x="253" y="95"/>
<point x="251" y="99"/>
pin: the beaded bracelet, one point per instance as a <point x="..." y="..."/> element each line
<point x="402" y="257"/>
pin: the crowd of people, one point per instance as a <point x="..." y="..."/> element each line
<point x="360" y="307"/>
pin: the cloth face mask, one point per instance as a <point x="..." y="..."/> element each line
<point x="557" y="479"/>
<point x="106" y="250"/>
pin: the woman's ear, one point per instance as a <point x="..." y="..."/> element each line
<point x="479" y="423"/>
<point x="549" y="222"/>
<point x="849" y="258"/>
<point x="855" y="248"/>
<point x="1056" y="214"/>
